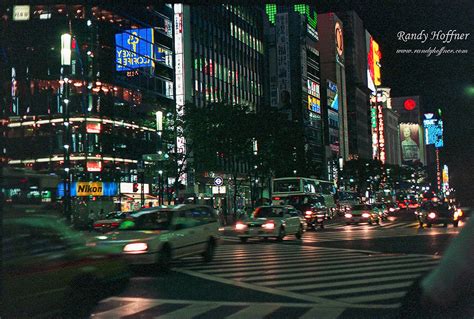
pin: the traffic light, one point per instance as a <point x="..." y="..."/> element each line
<point x="135" y="187"/>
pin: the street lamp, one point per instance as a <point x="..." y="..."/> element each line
<point x="65" y="64"/>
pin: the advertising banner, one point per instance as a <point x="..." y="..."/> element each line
<point x="90" y="189"/>
<point x="134" y="49"/>
<point x="283" y="59"/>
<point x="410" y="141"/>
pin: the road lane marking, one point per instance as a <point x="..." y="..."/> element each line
<point x="289" y="294"/>
<point x="190" y="311"/>
<point x="254" y="311"/>
<point x="371" y="298"/>
<point x="343" y="291"/>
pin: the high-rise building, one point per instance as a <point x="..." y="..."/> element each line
<point x="412" y="141"/>
<point x="294" y="83"/>
<point x="219" y="59"/>
<point x="357" y="85"/>
<point x="333" y="94"/>
<point x="81" y="86"/>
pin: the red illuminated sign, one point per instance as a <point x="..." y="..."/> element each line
<point x="94" y="166"/>
<point x="409" y="104"/>
<point x="93" y="127"/>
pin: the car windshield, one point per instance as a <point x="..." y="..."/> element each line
<point x="115" y="215"/>
<point x="149" y="220"/>
<point x="264" y="212"/>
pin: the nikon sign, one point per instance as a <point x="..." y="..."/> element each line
<point x="89" y="189"/>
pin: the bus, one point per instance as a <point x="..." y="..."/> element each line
<point x="28" y="191"/>
<point x="290" y="186"/>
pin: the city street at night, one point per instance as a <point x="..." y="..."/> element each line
<point x="356" y="271"/>
<point x="237" y="159"/>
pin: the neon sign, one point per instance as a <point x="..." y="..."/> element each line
<point x="134" y="49"/>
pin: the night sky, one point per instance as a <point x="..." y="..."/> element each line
<point x="442" y="81"/>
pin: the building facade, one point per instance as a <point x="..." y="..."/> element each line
<point x="82" y="86"/>
<point x="294" y="79"/>
<point x="333" y="101"/>
<point x="358" y="92"/>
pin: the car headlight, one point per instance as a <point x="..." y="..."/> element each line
<point x="135" y="247"/>
<point x="240" y="226"/>
<point x="365" y="215"/>
<point x="308" y="213"/>
<point x="431" y="215"/>
<point x="348" y="215"/>
<point x="269" y="225"/>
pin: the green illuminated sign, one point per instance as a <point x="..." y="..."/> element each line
<point x="271" y="10"/>
<point x="312" y="16"/>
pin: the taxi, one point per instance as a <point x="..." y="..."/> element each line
<point x="160" y="234"/>
<point x="271" y="221"/>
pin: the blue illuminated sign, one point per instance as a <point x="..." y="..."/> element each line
<point x="335" y="103"/>
<point x="134" y="49"/>
<point x="434" y="132"/>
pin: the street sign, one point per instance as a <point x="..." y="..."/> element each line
<point x="218" y="181"/>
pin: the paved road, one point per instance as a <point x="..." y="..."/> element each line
<point x="340" y="272"/>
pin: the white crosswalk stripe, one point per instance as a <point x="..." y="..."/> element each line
<point x="184" y="309"/>
<point x="357" y="278"/>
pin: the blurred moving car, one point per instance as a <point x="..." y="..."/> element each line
<point x="392" y="207"/>
<point x="362" y="213"/>
<point x="270" y="221"/>
<point x="49" y="270"/>
<point x="111" y="221"/>
<point x="382" y="210"/>
<point x="313" y="207"/>
<point x="345" y="200"/>
<point x="437" y="213"/>
<point x="159" y="234"/>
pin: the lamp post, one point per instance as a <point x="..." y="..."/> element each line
<point x="64" y="89"/>
<point x="159" y="151"/>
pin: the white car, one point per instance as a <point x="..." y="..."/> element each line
<point x="270" y="221"/>
<point x="158" y="235"/>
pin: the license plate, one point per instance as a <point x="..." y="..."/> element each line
<point x="253" y="232"/>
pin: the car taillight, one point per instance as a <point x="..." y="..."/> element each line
<point x="240" y="226"/>
<point x="308" y="213"/>
<point x="348" y="215"/>
<point x="365" y="215"/>
<point x="431" y="215"/>
<point x="98" y="225"/>
<point x="135" y="247"/>
<point x="269" y="225"/>
<point x="392" y="210"/>
<point x="114" y="224"/>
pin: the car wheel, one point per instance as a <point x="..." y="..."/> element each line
<point x="378" y="222"/>
<point x="208" y="254"/>
<point x="428" y="225"/>
<point x="370" y="222"/>
<point x="164" y="258"/>
<point x="243" y="239"/>
<point x="299" y="234"/>
<point x="321" y="226"/>
<point x="347" y="223"/>
<point x="421" y="224"/>
<point x="456" y="223"/>
<point x="281" y="234"/>
<point x="445" y="225"/>
<point x="81" y="297"/>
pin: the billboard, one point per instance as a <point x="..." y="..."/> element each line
<point x="90" y="189"/>
<point x="433" y="131"/>
<point x="373" y="63"/>
<point x="134" y="49"/>
<point x="314" y="104"/>
<point x="283" y="59"/>
<point x="332" y="96"/>
<point x="410" y="141"/>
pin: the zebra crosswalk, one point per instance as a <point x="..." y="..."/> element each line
<point x="337" y="277"/>
<point x="382" y="225"/>
<point x="125" y="307"/>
